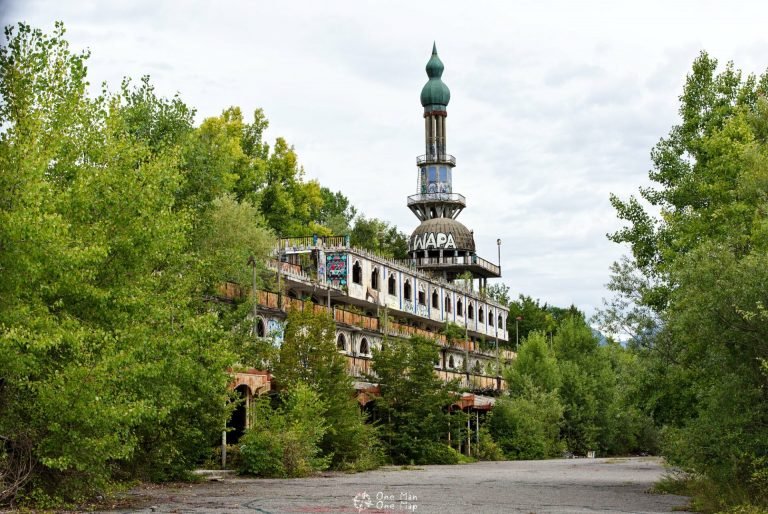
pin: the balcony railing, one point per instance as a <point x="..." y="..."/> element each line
<point x="452" y="261"/>
<point x="443" y="158"/>
<point x="475" y="381"/>
<point x="311" y="242"/>
<point x="438" y="197"/>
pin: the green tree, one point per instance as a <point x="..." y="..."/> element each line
<point x="698" y="271"/>
<point x="309" y="355"/>
<point x="527" y="425"/>
<point x="336" y="213"/>
<point x="533" y="316"/>
<point x="290" y="205"/>
<point x="379" y="237"/>
<point x="110" y="366"/>
<point x="412" y="410"/>
<point x="228" y="235"/>
<point x="536" y="363"/>
<point x="587" y="390"/>
<point x="285" y="442"/>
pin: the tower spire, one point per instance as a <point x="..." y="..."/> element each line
<point x="435" y="198"/>
<point x="440" y="244"/>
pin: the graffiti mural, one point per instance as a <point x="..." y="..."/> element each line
<point x="336" y="268"/>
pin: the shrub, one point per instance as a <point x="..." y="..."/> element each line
<point x="488" y="449"/>
<point x="261" y="451"/>
<point x="527" y="427"/>
<point x="285" y="442"/>
<point x="438" y="453"/>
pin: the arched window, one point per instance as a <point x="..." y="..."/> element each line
<point x="375" y="279"/>
<point x="459" y="307"/>
<point x="407" y="290"/>
<point x="364" y="346"/>
<point x="471" y="311"/>
<point x="435" y="300"/>
<point x="357" y="273"/>
<point x="490" y="318"/>
<point x="451" y="364"/>
<point x="501" y="322"/>
<point x="448" y="304"/>
<point x="422" y="296"/>
<point x="392" y="287"/>
<point x="341" y="342"/>
<point x="481" y="315"/>
<point x="261" y="330"/>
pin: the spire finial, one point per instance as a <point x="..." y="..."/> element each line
<point x="435" y="92"/>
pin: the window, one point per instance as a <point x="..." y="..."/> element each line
<point x="490" y="318"/>
<point x="364" y="346"/>
<point x="422" y="298"/>
<point x="435" y="300"/>
<point x="392" y="286"/>
<point x="448" y="304"/>
<point x="357" y="273"/>
<point x="501" y="322"/>
<point x="261" y="330"/>
<point x="471" y="311"/>
<point x="481" y="315"/>
<point x="375" y="279"/>
<point x="451" y="364"/>
<point x="341" y="342"/>
<point x="459" y="307"/>
<point x="407" y="290"/>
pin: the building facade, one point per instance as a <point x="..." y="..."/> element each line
<point x="372" y="297"/>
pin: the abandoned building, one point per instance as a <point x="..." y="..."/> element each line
<point x="371" y="297"/>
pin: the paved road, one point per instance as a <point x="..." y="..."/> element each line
<point x="554" y="486"/>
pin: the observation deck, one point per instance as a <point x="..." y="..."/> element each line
<point x="454" y="198"/>
<point x="479" y="266"/>
<point x="438" y="158"/>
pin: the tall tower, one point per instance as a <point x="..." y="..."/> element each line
<point x="440" y="244"/>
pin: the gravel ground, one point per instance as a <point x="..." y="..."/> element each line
<point x="552" y="486"/>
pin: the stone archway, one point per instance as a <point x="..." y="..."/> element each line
<point x="238" y="421"/>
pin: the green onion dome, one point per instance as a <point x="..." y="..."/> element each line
<point x="435" y="93"/>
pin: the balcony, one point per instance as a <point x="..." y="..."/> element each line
<point x="436" y="159"/>
<point x="474" y="261"/>
<point x="438" y="197"/>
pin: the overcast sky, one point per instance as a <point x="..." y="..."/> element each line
<point x="553" y="104"/>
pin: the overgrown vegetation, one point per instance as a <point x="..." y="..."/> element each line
<point x="413" y="408"/>
<point x="285" y="442"/>
<point x="120" y="219"/>
<point x="570" y="393"/>
<point x="692" y="295"/>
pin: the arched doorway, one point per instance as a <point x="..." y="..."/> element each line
<point x="238" y="421"/>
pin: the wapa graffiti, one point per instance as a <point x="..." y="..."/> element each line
<point x="432" y="240"/>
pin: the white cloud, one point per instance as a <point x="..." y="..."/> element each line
<point x="554" y="104"/>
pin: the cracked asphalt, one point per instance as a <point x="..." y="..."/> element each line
<point x="618" y="485"/>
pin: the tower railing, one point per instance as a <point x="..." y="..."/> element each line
<point x="442" y="158"/>
<point x="456" y="260"/>
<point x="438" y="197"/>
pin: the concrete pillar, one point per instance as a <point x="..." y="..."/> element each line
<point x="439" y="125"/>
<point x="427" y="130"/>
<point x="433" y="122"/>
<point x="445" y="135"/>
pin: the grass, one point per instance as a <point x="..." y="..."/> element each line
<point x="704" y="495"/>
